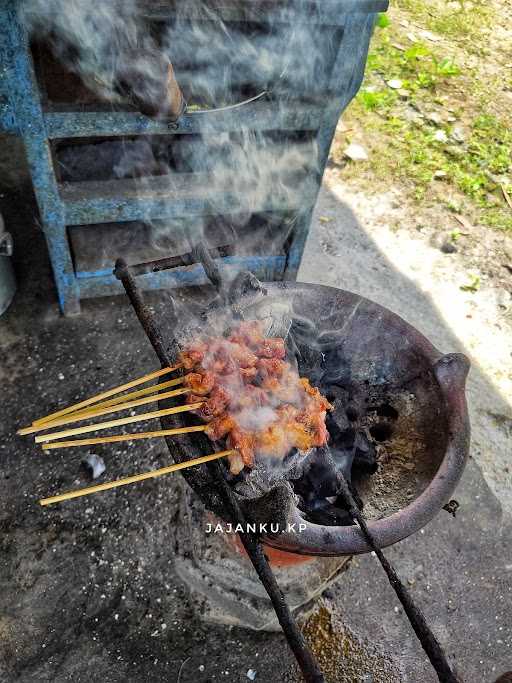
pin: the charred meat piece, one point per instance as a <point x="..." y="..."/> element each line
<point x="220" y="427"/>
<point x="215" y="404"/>
<point x="243" y="442"/>
<point x="242" y="356"/>
<point x="248" y="375"/>
<point x="248" y="333"/>
<point x="273" y="441"/>
<point x="271" y="367"/>
<point x="252" y="397"/>
<point x="271" y="348"/>
<point x="193" y="355"/>
<point x="200" y="383"/>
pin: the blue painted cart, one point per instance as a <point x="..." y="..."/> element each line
<point x="343" y="29"/>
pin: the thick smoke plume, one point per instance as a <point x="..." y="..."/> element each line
<point x="269" y="176"/>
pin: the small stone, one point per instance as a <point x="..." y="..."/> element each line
<point x="448" y="247"/>
<point x="434" y="117"/>
<point x="413" y="116"/>
<point x="440" y="136"/>
<point x="356" y="152"/>
<point x="428" y="35"/>
<point x="60" y="376"/>
<point x="251" y="674"/>
<point x="403" y="93"/>
<point x="94" y="465"/>
<point x="458" y="134"/>
<point x="440" y="174"/>
<point x="504" y="299"/>
<point x="395" y="83"/>
<point x="455" y="151"/>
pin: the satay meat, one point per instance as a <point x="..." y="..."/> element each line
<point x="252" y="396"/>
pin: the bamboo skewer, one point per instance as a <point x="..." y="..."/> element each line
<point x="135" y="478"/>
<point x="124" y="437"/>
<point x="116" y="423"/>
<point x="105" y="394"/>
<point x="154" y="388"/>
<point x="105" y="411"/>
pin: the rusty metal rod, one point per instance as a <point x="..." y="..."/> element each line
<point x="250" y="541"/>
<point x="429" y="642"/>
<point x="254" y="549"/>
<point x="186" y="259"/>
<point x="123" y="272"/>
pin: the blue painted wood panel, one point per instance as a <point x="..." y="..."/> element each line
<point x="259" y="116"/>
<point x="104" y="284"/>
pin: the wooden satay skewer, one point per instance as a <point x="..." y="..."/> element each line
<point x="117" y="423"/>
<point x="154" y="388"/>
<point x="124" y="437"/>
<point x="73" y="417"/>
<point x="135" y="478"/>
<point x="105" y="394"/>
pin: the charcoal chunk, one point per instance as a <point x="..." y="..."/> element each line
<point x="365" y="454"/>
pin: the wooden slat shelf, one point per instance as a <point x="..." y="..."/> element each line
<point x="331" y="12"/>
<point x="258" y="116"/>
<point x="264" y="267"/>
<point x="172" y="196"/>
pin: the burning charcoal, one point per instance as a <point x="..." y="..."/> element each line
<point x="304" y="331"/>
<point x="243" y="284"/>
<point x="341" y="432"/>
<point x="324" y="512"/>
<point x="335" y="393"/>
<point x="309" y="361"/>
<point x="318" y="478"/>
<point x="365" y="455"/>
<point x="343" y="460"/>
<point x="94" y="465"/>
<point x="336" y="369"/>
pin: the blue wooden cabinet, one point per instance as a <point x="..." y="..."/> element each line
<point x="349" y="25"/>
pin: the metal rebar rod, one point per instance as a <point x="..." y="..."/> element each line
<point x="250" y="541"/>
<point x="253" y="547"/>
<point x="176" y="261"/>
<point x="144" y="314"/>
<point x="428" y="640"/>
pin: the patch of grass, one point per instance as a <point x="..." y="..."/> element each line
<point x="412" y="129"/>
<point x="457" y="19"/>
<point x="473" y="285"/>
